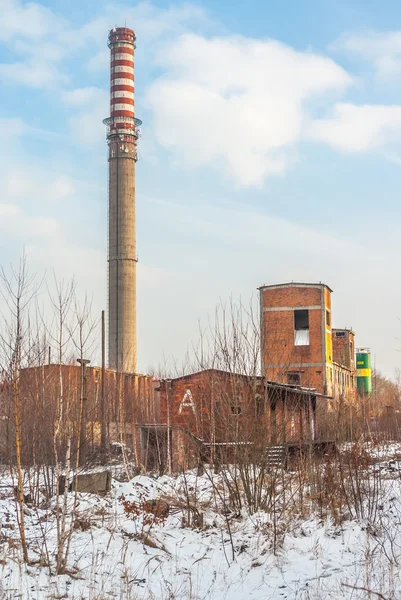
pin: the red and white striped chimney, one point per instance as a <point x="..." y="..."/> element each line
<point x="122" y="137"/>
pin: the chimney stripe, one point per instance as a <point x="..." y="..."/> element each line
<point x="122" y="69"/>
<point x="122" y="81"/>
<point x="122" y="56"/>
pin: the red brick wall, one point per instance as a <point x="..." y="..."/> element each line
<point x="209" y="389"/>
<point x="129" y="399"/>
<point x="344" y="348"/>
<point x="341" y="353"/>
<point x="292" y="296"/>
<point x="278" y="347"/>
<point x="254" y="423"/>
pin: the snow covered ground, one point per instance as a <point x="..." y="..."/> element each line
<point x="131" y="554"/>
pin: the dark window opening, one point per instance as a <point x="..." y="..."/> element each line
<point x="236" y="410"/>
<point x="301" y="326"/>
<point x="340" y="334"/>
<point x="301" y="319"/>
<point x="294" y="378"/>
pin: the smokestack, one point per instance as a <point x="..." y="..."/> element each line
<point x="122" y="138"/>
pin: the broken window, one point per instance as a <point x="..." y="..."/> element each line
<point x="301" y="326"/>
<point x="294" y="378"/>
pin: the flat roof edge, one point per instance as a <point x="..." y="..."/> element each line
<point x="294" y="284"/>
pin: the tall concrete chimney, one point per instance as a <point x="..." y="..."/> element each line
<point x="122" y="138"/>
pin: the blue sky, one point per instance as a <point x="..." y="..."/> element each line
<point x="270" y="151"/>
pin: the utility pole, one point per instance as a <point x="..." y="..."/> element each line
<point x="83" y="412"/>
<point x="103" y="432"/>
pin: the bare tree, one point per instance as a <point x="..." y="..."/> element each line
<point x="17" y="290"/>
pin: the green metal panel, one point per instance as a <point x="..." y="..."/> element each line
<point x="362" y="360"/>
<point x="364" y="384"/>
<point x="363" y="373"/>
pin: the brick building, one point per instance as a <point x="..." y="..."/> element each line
<point x="129" y="399"/>
<point x="216" y="415"/>
<point x="298" y="344"/>
<point x="210" y="415"/>
<point x="344" y="367"/>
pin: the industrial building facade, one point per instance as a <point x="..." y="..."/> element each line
<point x="92" y="400"/>
<point x="231" y="416"/>
<point x="298" y="343"/>
<point x="208" y="416"/>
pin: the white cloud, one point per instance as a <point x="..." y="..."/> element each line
<point x="61" y="187"/>
<point x="15" y="223"/>
<point x="237" y="103"/>
<point x="83" y="96"/>
<point x="92" y="106"/>
<point x="24" y="183"/>
<point x="28" y="20"/>
<point x="32" y="73"/>
<point x="383" y="50"/>
<point x="99" y="61"/>
<point x="36" y="34"/>
<point x="352" y="128"/>
<point x="151" y="22"/>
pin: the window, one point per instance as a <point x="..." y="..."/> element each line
<point x="301" y="327"/>
<point x="340" y="334"/>
<point x="328" y="318"/>
<point x="236" y="410"/>
<point x="294" y="378"/>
